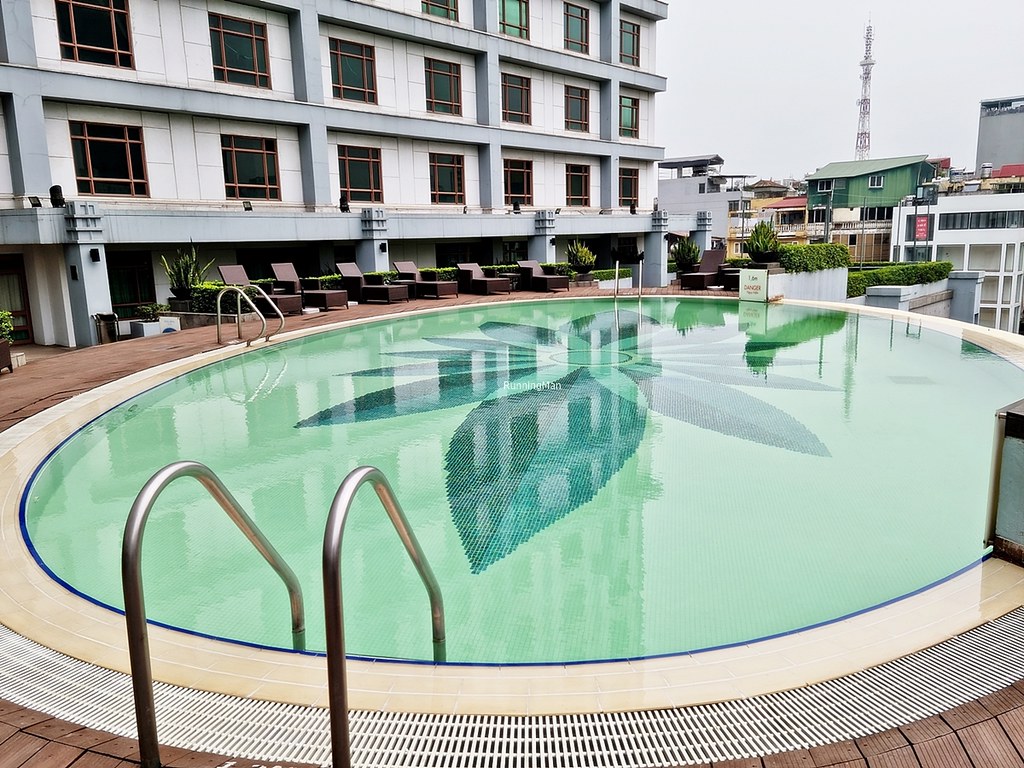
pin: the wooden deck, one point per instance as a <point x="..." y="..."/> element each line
<point x="987" y="733"/>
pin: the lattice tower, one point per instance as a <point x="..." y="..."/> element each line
<point x="864" y="104"/>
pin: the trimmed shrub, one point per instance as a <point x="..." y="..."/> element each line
<point x="380" y="278"/>
<point x="609" y="274"/>
<point x="332" y="281"/>
<point x="204" y="298"/>
<point x="150" y="312"/>
<point x="440" y="273"/>
<point x="814" y="257"/>
<point x="858" y="283"/>
<point x="559" y="268"/>
<point x="6" y="325"/>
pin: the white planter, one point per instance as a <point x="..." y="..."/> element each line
<point x="141" y="329"/>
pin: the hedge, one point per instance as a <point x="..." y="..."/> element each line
<point x="857" y="283"/>
<point x="204" y="298"/>
<point x="814" y="257"/>
<point x="6" y="325"/>
<point x="609" y="274"/>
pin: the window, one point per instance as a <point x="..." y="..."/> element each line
<point x="444" y="87"/>
<point x="513" y="251"/>
<point x="577" y="108"/>
<point x="515" y="99"/>
<point x="353" y="72"/>
<point x="519" y="182"/>
<point x="130" y="276"/>
<point x="818" y="216"/>
<point x="629" y="117"/>
<point x="446" y="9"/>
<point x="876" y="182"/>
<point x="96" y="31"/>
<point x="515" y="18"/>
<point x="250" y="167"/>
<point x="359" y="168"/>
<point x="577" y="28"/>
<point x="702" y="188"/>
<point x="577" y="185"/>
<point x="629" y="43"/>
<point x="825" y="185"/>
<point x="109" y="159"/>
<point x="875" y="213"/>
<point x="447" y="179"/>
<point x="629" y="186"/>
<point x="239" y="51"/>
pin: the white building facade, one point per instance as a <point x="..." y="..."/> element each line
<point x="315" y="131"/>
<point x="977" y="232"/>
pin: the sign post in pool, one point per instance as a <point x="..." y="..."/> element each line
<point x="754" y="285"/>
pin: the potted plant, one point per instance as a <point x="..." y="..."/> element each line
<point x="185" y="272"/>
<point x="6" y="337"/>
<point x="581" y="259"/>
<point x="763" y="245"/>
<point x="686" y="254"/>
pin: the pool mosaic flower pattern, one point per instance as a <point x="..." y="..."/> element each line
<point x="559" y="412"/>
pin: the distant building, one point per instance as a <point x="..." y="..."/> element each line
<point x="852" y="202"/>
<point x="978" y="232"/>
<point x="689" y="185"/>
<point x="1000" y="133"/>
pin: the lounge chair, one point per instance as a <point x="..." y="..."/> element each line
<point x="473" y="280"/>
<point x="288" y="303"/>
<point x="321" y="298"/>
<point x="5" y="355"/>
<point x="357" y="288"/>
<point x="409" y="274"/>
<point x="535" y="280"/>
<point x="707" y="271"/>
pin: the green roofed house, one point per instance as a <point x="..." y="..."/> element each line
<point x="853" y="202"/>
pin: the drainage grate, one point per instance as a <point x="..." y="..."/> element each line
<point x="925" y="683"/>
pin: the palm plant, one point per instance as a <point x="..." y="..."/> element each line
<point x="686" y="254"/>
<point x="185" y="272"/>
<point x="763" y="244"/>
<point x="580" y="257"/>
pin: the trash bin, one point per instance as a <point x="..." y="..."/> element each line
<point x="106" y="328"/>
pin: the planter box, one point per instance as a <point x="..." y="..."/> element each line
<point x="141" y="329"/>
<point x="202" y="319"/>
<point x="824" y="285"/>
<point x="624" y="282"/>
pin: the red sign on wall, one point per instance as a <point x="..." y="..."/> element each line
<point x="921" y="228"/>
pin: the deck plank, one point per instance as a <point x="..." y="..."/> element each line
<point x="943" y="752"/>
<point x="835" y="754"/>
<point x="989" y="747"/>
<point x="886" y="741"/>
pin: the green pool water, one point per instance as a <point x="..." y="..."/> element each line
<point x="589" y="480"/>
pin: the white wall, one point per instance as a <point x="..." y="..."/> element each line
<point x="6" y="182"/>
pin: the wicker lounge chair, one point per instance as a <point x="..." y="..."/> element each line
<point x="535" y="280"/>
<point x="5" y="355"/>
<point x="473" y="280"/>
<point x="707" y="271"/>
<point x="321" y="298"/>
<point x="409" y="274"/>
<point x="359" y="291"/>
<point x="288" y="303"/>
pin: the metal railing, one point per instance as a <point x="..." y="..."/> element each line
<point x="337" y="685"/>
<point x="241" y="294"/>
<point x="134" y="602"/>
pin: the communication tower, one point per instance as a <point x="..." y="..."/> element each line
<point x="864" y="122"/>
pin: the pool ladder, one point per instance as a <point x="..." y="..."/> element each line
<point x="337" y="685"/>
<point x="239" y="295"/>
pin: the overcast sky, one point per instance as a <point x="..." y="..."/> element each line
<point x="772" y="87"/>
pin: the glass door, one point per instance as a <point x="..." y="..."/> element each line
<point x="14" y="297"/>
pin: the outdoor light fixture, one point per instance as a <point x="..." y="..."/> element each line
<point x="343" y="204"/>
<point x="655" y="203"/>
<point x="517" y="207"/>
<point x="383" y="247"/>
<point x="94" y="254"/>
<point x="56" y="196"/>
<point x="465" y="209"/>
<point x="632" y="208"/>
<point x="552" y="241"/>
<point x="34" y="201"/>
<point x="246" y="205"/>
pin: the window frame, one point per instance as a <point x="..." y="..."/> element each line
<point x="365" y="94"/>
<point x="633" y="33"/>
<point x="577" y="171"/>
<point x="442" y="9"/>
<point x="442" y="160"/>
<point x="524" y="168"/>
<point x="71" y="49"/>
<point x="631" y="105"/>
<point x="522" y="31"/>
<point x="348" y="154"/>
<point x="570" y="43"/>
<point x="525" y="90"/>
<point x="876" y="181"/>
<point x="633" y="175"/>
<point x="583" y="97"/>
<point x="825" y="185"/>
<point x="87" y="145"/>
<point x="267" y="150"/>
<point x="130" y="276"/>
<point x="454" y="77"/>
<point x="260" y="57"/>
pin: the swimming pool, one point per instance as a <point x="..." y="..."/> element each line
<point x="587" y="483"/>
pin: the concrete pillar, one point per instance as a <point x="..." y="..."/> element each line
<point x="540" y="247"/>
<point x="372" y="253"/>
<point x="26" y="140"/>
<point x="702" y="235"/>
<point x="656" y="251"/>
<point x="966" y="303"/>
<point x="85" y="262"/>
<point x="17" y="41"/>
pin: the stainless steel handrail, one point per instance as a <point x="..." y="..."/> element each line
<point x="134" y="600"/>
<point x="241" y="294"/>
<point x="337" y="686"/>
